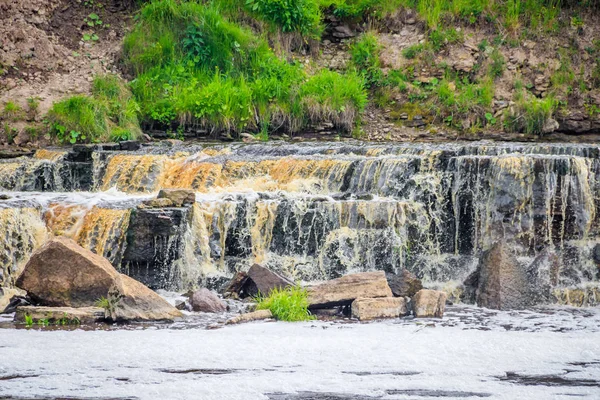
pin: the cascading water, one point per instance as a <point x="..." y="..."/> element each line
<point x="313" y="211"/>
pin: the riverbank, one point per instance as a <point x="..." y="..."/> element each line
<point x="468" y="70"/>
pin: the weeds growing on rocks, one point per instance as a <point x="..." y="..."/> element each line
<point x="289" y="304"/>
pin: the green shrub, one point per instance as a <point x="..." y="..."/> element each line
<point x="365" y="57"/>
<point x="303" y="16"/>
<point x="289" y="304"/>
<point x="12" y="111"/>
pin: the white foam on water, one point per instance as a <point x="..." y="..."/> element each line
<point x="268" y="357"/>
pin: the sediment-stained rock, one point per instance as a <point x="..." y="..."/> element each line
<point x="429" y="304"/>
<point x="206" y="301"/>
<point x="382" y="307"/>
<point x="346" y="289"/>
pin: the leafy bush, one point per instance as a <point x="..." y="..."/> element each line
<point x="289" y="304"/>
<point x="365" y="57"/>
<point x="303" y="16"/>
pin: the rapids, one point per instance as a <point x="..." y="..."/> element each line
<point x="311" y="210"/>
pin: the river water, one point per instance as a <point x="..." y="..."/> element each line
<point x="549" y="353"/>
<point x="313" y="211"/>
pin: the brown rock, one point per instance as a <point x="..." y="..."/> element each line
<point x="179" y="197"/>
<point x="346" y="289"/>
<point x="74" y="316"/>
<point x="502" y="282"/>
<point x="63" y="274"/>
<point x="235" y="285"/>
<point x="382" y="307"/>
<point x="404" y="284"/>
<point x="252" y="316"/>
<point x="265" y="280"/>
<point x="157" y="203"/>
<point x="206" y="301"/>
<point x="429" y="304"/>
<point x="132" y="301"/>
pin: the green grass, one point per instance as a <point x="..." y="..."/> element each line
<point x="530" y="114"/>
<point x="194" y="67"/>
<point x="289" y="304"/>
<point x="365" y="58"/>
<point x="110" y="113"/>
<point x="12" y="111"/>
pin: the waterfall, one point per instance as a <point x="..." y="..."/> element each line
<point x="317" y="211"/>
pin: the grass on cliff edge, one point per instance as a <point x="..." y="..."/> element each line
<point x="110" y="113"/>
<point x="289" y="304"/>
<point x="194" y="68"/>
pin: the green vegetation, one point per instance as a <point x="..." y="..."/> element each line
<point x="302" y="16"/>
<point x="12" y="111"/>
<point x="289" y="304"/>
<point x="530" y="115"/>
<point x="194" y="68"/>
<point x="365" y="58"/>
<point x="110" y="113"/>
<point x="65" y="320"/>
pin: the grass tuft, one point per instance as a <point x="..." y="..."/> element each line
<point x="289" y="304"/>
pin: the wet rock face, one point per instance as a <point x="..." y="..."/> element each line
<point x="543" y="276"/>
<point x="154" y="243"/>
<point x="502" y="281"/>
<point x="319" y="211"/>
<point x="206" y="301"/>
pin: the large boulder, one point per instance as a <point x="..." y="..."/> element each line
<point x="404" y="284"/>
<point x="502" y="281"/>
<point x="265" y="281"/>
<point x="178" y="197"/>
<point x="344" y="290"/>
<point x="429" y="304"/>
<point x="382" y="307"/>
<point x="206" y="301"/>
<point x="60" y="315"/>
<point x="63" y="274"/>
<point x="130" y="300"/>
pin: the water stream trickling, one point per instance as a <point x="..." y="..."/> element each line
<point x="311" y="210"/>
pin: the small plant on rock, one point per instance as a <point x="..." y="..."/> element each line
<point x="289" y="304"/>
